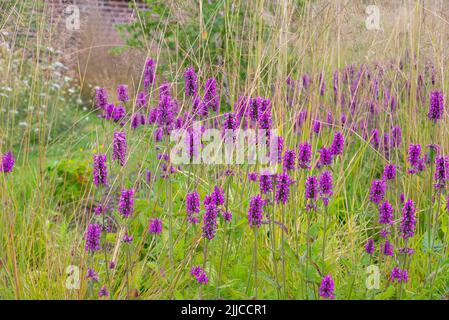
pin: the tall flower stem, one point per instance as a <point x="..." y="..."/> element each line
<point x="255" y="260"/>
<point x="432" y="243"/>
<point x="403" y="268"/>
<point x="127" y="270"/>
<point x="283" y="253"/>
<point x="324" y="240"/>
<point x="170" y="213"/>
<point x="429" y="219"/>
<point x="273" y="246"/>
<point x="223" y="244"/>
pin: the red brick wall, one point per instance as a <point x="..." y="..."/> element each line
<point x="87" y="50"/>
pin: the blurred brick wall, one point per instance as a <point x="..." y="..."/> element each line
<point x="86" y="51"/>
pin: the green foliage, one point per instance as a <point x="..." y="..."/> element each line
<point x="73" y="177"/>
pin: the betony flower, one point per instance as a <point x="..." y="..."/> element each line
<point x="375" y="139"/>
<point x="191" y="81"/>
<point x="148" y="176"/>
<point x="192" y="206"/>
<point x="199" y="274"/>
<point x="316" y="126"/>
<point x="210" y="221"/>
<point x="266" y="183"/>
<point x="441" y="175"/>
<point x="119" y="148"/>
<point x="325" y="157"/>
<point x="377" y="191"/>
<point x="149" y="74"/>
<point x="283" y="188"/>
<point x="386" y="213"/>
<point x="399" y="275"/>
<point x="436" y="108"/>
<point x="227" y="215"/>
<point x="327" y="287"/>
<point x="141" y="100"/>
<point x="338" y="144"/>
<point x="101" y="97"/>
<point x="118" y="113"/>
<point x="93" y="234"/>
<point x="7" y="163"/>
<point x="304" y="155"/>
<point x="253" y="176"/>
<point x="311" y="190"/>
<point x="389" y="172"/>
<point x="255" y="211"/>
<point x="387" y="248"/>
<point x="369" y="247"/>
<point x="103" y="292"/>
<point x="414" y="154"/>
<point x="325" y="186"/>
<point x="92" y="275"/>
<point x="100" y="171"/>
<point x="126" y="203"/>
<point x="408" y="223"/>
<point x="289" y="160"/>
<point x="127" y="238"/>
<point x="155" y="226"/>
<point x="122" y="93"/>
<point x="217" y="196"/>
<point x="211" y="98"/>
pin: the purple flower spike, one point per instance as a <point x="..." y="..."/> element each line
<point x="211" y="98"/>
<point x="191" y="82"/>
<point x="338" y="144"/>
<point x="436" y="108"/>
<point x="100" y="171"/>
<point x="155" y="226"/>
<point x="283" y="189"/>
<point x="122" y="93"/>
<point x="325" y="157"/>
<point x="119" y="148"/>
<point x="377" y="191"/>
<point x="389" y="172"/>
<point x="126" y="203"/>
<point x="386" y="213"/>
<point x="93" y="238"/>
<point x="199" y="274"/>
<point x="369" y="247"/>
<point x="325" y="186"/>
<point x="289" y="160"/>
<point x="192" y="206"/>
<point x="327" y="287"/>
<point x="7" y="163"/>
<point x="101" y="98"/>
<point x="304" y="155"/>
<point x="103" y="292"/>
<point x="266" y="183"/>
<point x="387" y="248"/>
<point x="408" y="223"/>
<point x="210" y="221"/>
<point x="255" y="211"/>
